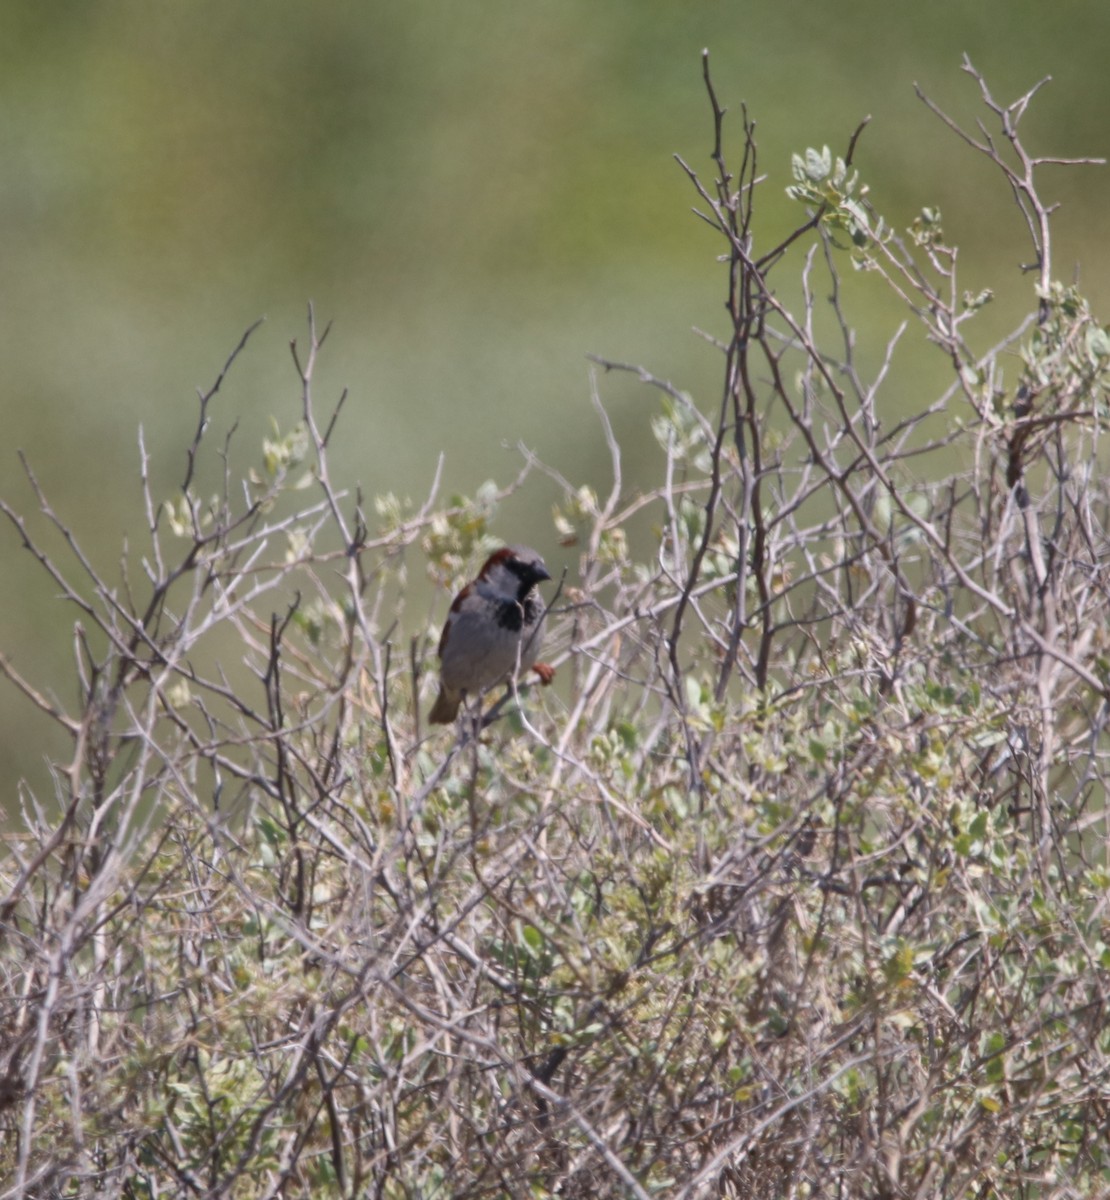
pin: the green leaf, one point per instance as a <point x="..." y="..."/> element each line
<point x="1098" y="342"/>
<point x="818" y="165"/>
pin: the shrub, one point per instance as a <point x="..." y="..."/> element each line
<point x="797" y="888"/>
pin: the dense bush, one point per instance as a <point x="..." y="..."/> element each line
<point x="796" y="885"/>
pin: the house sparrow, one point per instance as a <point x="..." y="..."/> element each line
<point x="494" y="626"/>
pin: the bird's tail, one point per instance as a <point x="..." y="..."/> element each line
<point x="446" y="707"/>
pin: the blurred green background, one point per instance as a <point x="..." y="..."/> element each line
<point x="478" y="195"/>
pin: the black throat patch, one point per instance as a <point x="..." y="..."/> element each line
<point x="514" y="614"/>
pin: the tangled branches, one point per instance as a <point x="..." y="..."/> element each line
<point x="798" y="887"/>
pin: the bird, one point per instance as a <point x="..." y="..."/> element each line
<point x="493" y="629"/>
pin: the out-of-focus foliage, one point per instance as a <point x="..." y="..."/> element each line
<point x="794" y="885"/>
